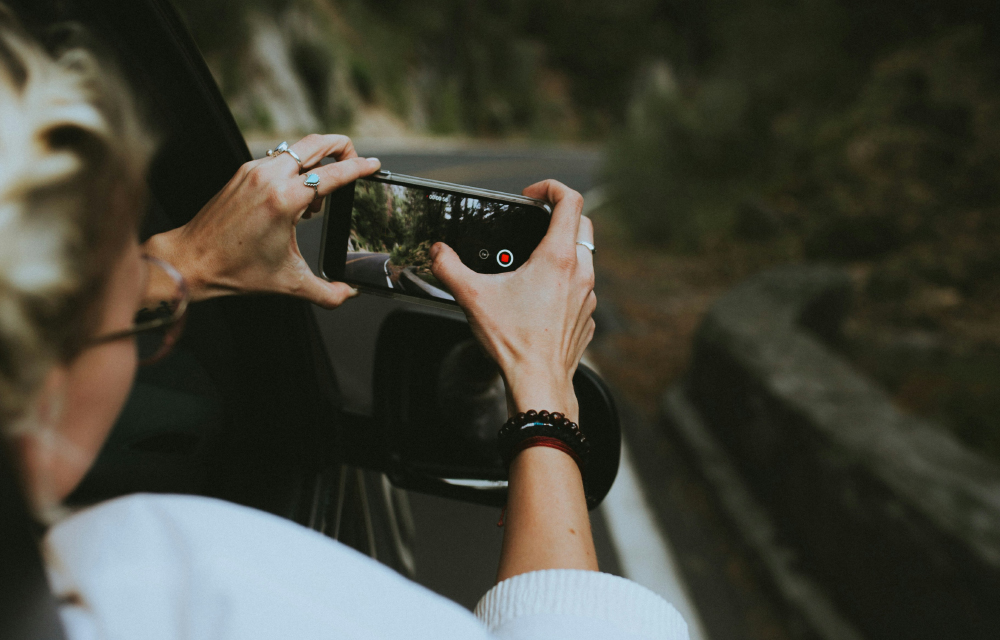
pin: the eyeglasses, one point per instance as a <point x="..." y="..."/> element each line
<point x="158" y="323"/>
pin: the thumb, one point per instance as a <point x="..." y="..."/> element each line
<point x="449" y="269"/>
<point x="328" y="295"/>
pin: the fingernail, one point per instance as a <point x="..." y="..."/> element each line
<point x="374" y="161"/>
<point x="435" y="249"/>
<point x="353" y="292"/>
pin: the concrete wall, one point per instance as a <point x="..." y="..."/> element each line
<point x="897" y="520"/>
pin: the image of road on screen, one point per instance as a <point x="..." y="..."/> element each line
<point x="394" y="226"/>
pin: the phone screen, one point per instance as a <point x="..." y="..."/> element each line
<point x="388" y="229"/>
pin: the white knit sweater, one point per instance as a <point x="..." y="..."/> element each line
<point x="190" y="568"/>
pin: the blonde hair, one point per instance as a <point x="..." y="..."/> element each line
<point x="73" y="159"/>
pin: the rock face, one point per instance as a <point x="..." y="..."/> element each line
<point x="291" y="77"/>
<point x="897" y="519"/>
<point x="274" y="83"/>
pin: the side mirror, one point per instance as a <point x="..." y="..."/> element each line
<point x="439" y="401"/>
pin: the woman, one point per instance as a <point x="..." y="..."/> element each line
<point x="72" y="276"/>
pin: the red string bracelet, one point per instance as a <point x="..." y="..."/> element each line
<point x="546" y="441"/>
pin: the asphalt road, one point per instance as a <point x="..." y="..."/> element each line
<point x="370" y="268"/>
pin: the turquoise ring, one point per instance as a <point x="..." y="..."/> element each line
<point x="312" y="180"/>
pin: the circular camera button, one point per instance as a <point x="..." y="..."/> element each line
<point x="505" y="258"/>
<point x="483" y="253"/>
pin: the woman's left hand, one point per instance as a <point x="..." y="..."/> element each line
<point x="243" y="240"/>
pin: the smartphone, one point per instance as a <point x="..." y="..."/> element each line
<point x="378" y="231"/>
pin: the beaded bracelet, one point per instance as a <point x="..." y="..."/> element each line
<point x="534" y="428"/>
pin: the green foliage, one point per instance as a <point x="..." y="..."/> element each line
<point x="472" y="67"/>
<point x="715" y="124"/>
<point x="910" y="173"/>
<point x="853" y="128"/>
<point x="373" y="226"/>
<point x="684" y="162"/>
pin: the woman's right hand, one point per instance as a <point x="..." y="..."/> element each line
<point x="535" y="321"/>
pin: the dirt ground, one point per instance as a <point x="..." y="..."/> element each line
<point x="650" y="305"/>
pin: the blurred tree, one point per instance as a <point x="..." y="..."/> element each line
<point x="759" y="102"/>
<point x="374" y="227"/>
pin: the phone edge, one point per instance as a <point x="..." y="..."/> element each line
<point x="321" y="266"/>
<point x="388" y="176"/>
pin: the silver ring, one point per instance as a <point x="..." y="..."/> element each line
<point x="278" y="150"/>
<point x="283" y="148"/>
<point x="589" y="245"/>
<point x="312" y="180"/>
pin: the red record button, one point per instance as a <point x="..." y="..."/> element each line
<point x="505" y="258"/>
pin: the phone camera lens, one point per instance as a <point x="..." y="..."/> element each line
<point x="484" y="254"/>
<point x="505" y="258"/>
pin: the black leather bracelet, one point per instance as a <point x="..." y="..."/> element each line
<point x="541" y="423"/>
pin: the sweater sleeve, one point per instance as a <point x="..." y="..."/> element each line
<point x="582" y="605"/>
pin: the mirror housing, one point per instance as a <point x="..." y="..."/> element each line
<point x="439" y="402"/>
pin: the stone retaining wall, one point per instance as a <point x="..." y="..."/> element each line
<point x="897" y="520"/>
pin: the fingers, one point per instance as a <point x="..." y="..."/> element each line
<point x="449" y="269"/>
<point x="306" y="201"/>
<point x="314" y="207"/>
<point x="586" y="231"/>
<point x="336" y="174"/>
<point x="325" y="294"/>
<point x="315" y="147"/>
<point x="288" y="195"/>
<point x="566" y="211"/>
